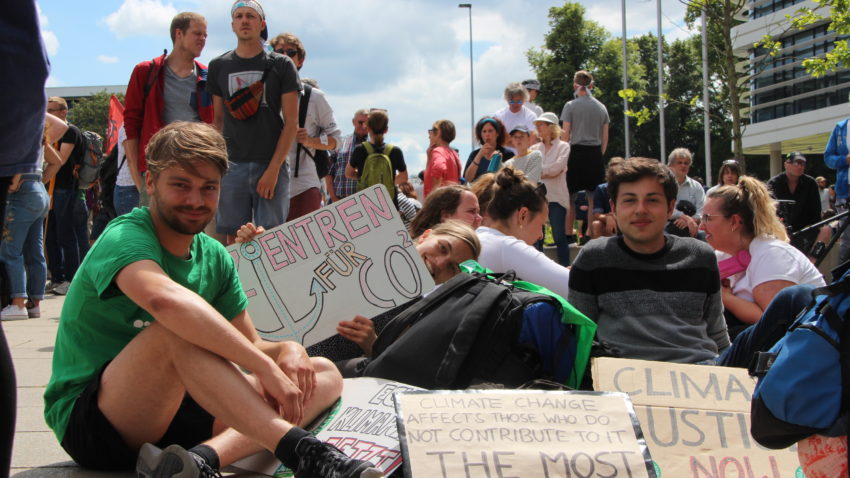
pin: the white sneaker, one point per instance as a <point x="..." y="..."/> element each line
<point x="13" y="312"/>
<point x="61" y="288"/>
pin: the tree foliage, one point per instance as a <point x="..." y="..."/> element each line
<point x="91" y="113"/>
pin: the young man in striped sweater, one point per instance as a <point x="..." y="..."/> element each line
<point x="654" y="296"/>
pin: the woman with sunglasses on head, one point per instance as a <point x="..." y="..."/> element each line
<point x="756" y="260"/>
<point x="443" y="166"/>
<point x="728" y="175"/>
<point x="491" y="136"/>
<point x="516" y="213"/>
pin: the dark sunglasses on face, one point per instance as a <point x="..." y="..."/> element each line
<point x="433" y="130"/>
<point x="290" y="52"/>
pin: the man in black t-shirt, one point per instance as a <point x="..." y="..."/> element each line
<point x="795" y="185"/>
<point x="67" y="232"/>
<point x="377" y="125"/>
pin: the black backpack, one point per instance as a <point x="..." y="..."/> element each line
<point x="321" y="158"/>
<point x="462" y="334"/>
<point x="107" y="176"/>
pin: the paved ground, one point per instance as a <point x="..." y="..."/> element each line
<point x="36" y="452"/>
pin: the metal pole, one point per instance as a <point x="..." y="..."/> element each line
<point x="471" y="76"/>
<point x="625" y="80"/>
<point x="706" y="116"/>
<point x="663" y="157"/>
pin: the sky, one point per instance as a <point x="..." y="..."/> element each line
<point x="408" y="56"/>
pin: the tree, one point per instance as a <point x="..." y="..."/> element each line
<point x="722" y="16"/>
<point x="568" y="47"/>
<point x="91" y="113"/>
<point x="839" y="15"/>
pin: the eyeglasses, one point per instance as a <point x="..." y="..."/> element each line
<point x="290" y="52"/>
<point x="712" y="217"/>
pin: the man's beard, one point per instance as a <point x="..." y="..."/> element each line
<point x="169" y="217"/>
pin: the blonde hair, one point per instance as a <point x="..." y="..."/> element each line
<point x="751" y="200"/>
<point x="459" y="230"/>
<point x="680" y="153"/>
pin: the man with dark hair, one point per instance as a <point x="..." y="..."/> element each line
<point x="150" y="333"/>
<point x="67" y="224"/>
<point x="585" y="126"/>
<point x="654" y="296"/>
<point x="255" y="98"/>
<point x="797" y="186"/>
<point x="319" y="132"/>
<point x="169" y="88"/>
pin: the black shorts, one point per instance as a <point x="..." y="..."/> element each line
<point x="94" y="443"/>
<point x="585" y="169"/>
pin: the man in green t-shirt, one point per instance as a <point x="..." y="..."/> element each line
<point x="154" y="330"/>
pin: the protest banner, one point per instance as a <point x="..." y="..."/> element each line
<point x="520" y="433"/>
<point x="696" y="418"/>
<point x="351" y="257"/>
<point x="362" y="424"/>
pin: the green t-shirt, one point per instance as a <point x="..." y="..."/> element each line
<point x="98" y="320"/>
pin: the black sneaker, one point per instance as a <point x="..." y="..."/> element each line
<point x="321" y="460"/>
<point x="173" y="462"/>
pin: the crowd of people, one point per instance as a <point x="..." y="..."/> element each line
<point x="155" y="314"/>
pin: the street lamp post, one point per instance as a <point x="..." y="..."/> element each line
<point x="471" y="77"/>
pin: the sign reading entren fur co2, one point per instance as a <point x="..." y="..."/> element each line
<point x="352" y="257"/>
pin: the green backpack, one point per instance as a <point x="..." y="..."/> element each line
<point x="377" y="169"/>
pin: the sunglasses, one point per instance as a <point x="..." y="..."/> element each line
<point x="730" y="162"/>
<point x="515" y="102"/>
<point x="290" y="52"/>
<point x="432" y="131"/>
<point x="797" y="162"/>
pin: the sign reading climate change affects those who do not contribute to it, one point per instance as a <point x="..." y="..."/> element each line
<point x="351" y="257"/>
<point x="520" y="434"/>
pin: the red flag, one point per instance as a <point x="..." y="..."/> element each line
<point x="116" y="120"/>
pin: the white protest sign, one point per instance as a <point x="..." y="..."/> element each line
<point x="696" y="418"/>
<point x="520" y="433"/>
<point x="362" y="424"/>
<point x="352" y="257"/>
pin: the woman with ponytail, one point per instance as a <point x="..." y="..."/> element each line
<point x="516" y="214"/>
<point x="756" y="261"/>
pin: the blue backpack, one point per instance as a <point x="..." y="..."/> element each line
<point x="803" y="379"/>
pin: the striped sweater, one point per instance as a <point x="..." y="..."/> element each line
<point x="664" y="306"/>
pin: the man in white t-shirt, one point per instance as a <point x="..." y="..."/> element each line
<point x="515" y="113"/>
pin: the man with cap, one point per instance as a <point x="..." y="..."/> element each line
<point x="169" y="88"/>
<point x="533" y="87"/>
<point x="255" y="98"/>
<point x="794" y="185"/>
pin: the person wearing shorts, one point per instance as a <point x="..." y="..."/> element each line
<point x="585" y="126"/>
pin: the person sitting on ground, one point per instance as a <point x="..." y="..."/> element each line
<point x="517" y="213"/>
<point x="443" y="164"/>
<point x="529" y="161"/>
<point x="152" y="327"/>
<point x="604" y="223"/>
<point x="653" y="295"/>
<point x="408" y="203"/>
<point x="689" y="199"/>
<point x="740" y="222"/>
<point x="491" y="136"/>
<point x="728" y="175"/>
<point x="556" y="153"/>
<point x="448" y="202"/>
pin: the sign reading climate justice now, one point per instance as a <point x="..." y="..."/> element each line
<point x="351" y="257"/>
<point x="696" y="419"/>
<point x="520" y="433"/>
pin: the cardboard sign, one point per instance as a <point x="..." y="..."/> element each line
<point x="520" y="433"/>
<point x="352" y="257"/>
<point x="696" y="418"/>
<point x="362" y="424"/>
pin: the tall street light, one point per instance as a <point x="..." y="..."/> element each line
<point x="471" y="77"/>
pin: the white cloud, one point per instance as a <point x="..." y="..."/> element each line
<point x="51" y="41"/>
<point x="107" y="59"/>
<point x="141" y="18"/>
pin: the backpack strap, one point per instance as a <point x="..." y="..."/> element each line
<point x="369" y="148"/>
<point x="153" y="74"/>
<point x="387" y="148"/>
<point x="464" y="336"/>
<point x="302" y="118"/>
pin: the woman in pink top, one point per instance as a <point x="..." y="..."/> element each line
<point x="555" y="155"/>
<point x="443" y="162"/>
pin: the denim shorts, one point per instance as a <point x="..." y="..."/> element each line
<point x="240" y="202"/>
